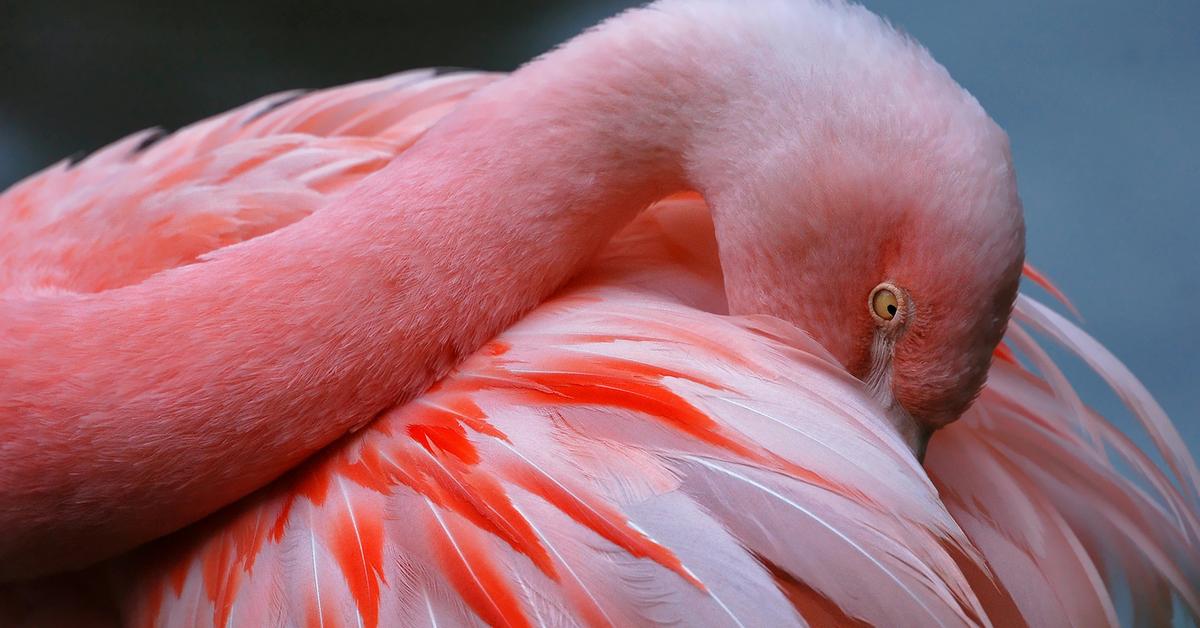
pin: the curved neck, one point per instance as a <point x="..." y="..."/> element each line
<point x="127" y="414"/>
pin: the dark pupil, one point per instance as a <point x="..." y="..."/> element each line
<point x="892" y="310"/>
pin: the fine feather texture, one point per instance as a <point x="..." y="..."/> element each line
<point x="619" y="457"/>
<point x="129" y="210"/>
<point x="626" y="454"/>
<point x="831" y="148"/>
<point x="286" y="335"/>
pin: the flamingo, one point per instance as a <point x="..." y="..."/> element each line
<point x="719" y="417"/>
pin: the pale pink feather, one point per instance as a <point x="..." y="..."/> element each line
<point x="632" y="395"/>
<point x="131" y="210"/>
<point x="627" y="453"/>
<point x="620" y="456"/>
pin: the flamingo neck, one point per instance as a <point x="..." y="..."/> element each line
<point x="128" y="414"/>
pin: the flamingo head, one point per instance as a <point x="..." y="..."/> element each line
<point x="905" y="267"/>
<point x="877" y="209"/>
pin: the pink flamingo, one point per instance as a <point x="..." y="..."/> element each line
<point x="188" y="320"/>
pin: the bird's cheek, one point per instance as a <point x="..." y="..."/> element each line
<point x="933" y="397"/>
<point x="911" y="381"/>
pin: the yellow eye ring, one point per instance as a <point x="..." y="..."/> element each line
<point x="887" y="304"/>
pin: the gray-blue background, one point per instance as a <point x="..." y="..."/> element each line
<point x="1101" y="98"/>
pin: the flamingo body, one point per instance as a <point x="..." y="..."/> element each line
<point x="626" y="453"/>
<point x="568" y="469"/>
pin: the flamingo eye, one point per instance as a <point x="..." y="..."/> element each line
<point x="886" y="301"/>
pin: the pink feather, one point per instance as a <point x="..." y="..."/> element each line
<point x="626" y="453"/>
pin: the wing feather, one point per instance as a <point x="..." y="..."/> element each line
<point x="627" y="454"/>
<point x="618" y="457"/>
<point x="1070" y="514"/>
<point x="152" y="201"/>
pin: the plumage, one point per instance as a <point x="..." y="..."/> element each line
<point x="673" y="436"/>
<point x="599" y="437"/>
<point x="596" y="441"/>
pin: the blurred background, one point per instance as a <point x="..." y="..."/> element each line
<point x="1101" y="98"/>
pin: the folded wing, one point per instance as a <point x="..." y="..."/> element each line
<point x="622" y="456"/>
<point x="152" y="201"/>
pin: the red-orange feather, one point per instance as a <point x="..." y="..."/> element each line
<point x="627" y="431"/>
